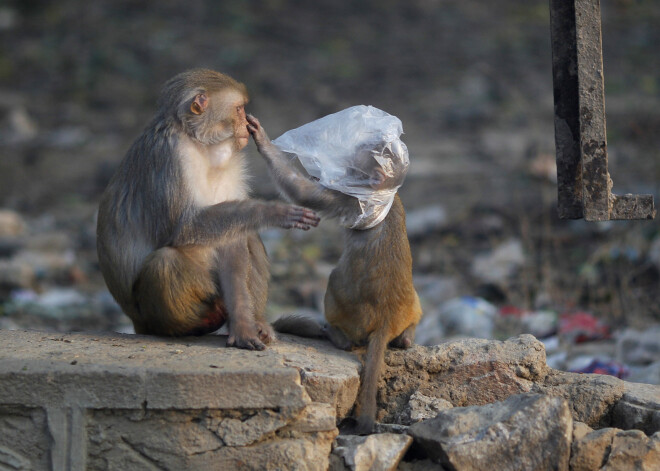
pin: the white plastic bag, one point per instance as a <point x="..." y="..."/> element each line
<point x="356" y="151"/>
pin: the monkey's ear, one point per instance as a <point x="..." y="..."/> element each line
<point x="199" y="104"/>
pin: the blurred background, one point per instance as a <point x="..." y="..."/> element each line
<point x="471" y="81"/>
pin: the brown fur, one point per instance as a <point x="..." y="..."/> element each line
<point x="176" y="235"/>
<point x="370" y="297"/>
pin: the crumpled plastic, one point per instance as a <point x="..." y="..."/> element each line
<point x="580" y="327"/>
<point x="357" y="151"/>
<point x="605" y="367"/>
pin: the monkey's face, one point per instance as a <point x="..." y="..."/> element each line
<point x="241" y="133"/>
<point x="219" y="116"/>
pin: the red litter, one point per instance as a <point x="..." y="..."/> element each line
<point x="582" y="327"/>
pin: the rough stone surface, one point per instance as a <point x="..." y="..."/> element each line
<point x="379" y="452"/>
<point x="81" y="401"/>
<point x="179" y="440"/>
<point x="631" y="449"/>
<point x="580" y="429"/>
<point x="589" y="452"/>
<point x="421" y="407"/>
<point x="113" y="401"/>
<point x="463" y="372"/>
<point x="481" y="437"/>
<point x="613" y="449"/>
<point x="639" y="408"/>
<point x="24" y="439"/>
<point x="326" y="381"/>
<point x="420" y="465"/>
<point x="591" y="397"/>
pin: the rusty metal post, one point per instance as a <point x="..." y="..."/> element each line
<point x="567" y="122"/>
<point x="584" y="183"/>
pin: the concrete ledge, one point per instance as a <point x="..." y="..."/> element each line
<point x="99" y="402"/>
<point x="112" y="401"/>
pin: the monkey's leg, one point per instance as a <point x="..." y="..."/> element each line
<point x="337" y="337"/>
<point x="234" y="271"/>
<point x="258" y="279"/>
<point x="176" y="295"/>
<point x="334" y="314"/>
<point x="406" y="339"/>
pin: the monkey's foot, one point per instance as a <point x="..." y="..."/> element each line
<point x="405" y="340"/>
<point x="247" y="338"/>
<point x="337" y="337"/>
<point x="266" y="332"/>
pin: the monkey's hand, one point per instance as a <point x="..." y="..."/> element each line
<point x="258" y="133"/>
<point x="289" y="216"/>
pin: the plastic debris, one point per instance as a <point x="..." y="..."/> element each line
<point x="581" y="327"/>
<point x="604" y="367"/>
<point x="468" y="315"/>
<point x="356" y="151"/>
<point x="635" y="347"/>
<point x="540" y="324"/>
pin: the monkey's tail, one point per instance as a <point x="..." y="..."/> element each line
<point x="302" y="326"/>
<point x="371" y="372"/>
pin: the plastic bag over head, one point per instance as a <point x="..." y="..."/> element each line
<point x="356" y="151"/>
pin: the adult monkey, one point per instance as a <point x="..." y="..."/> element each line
<point x="176" y="235"/>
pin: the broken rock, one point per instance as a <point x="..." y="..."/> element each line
<point x="463" y="372"/>
<point x="613" y="449"/>
<point x="481" y="437"/>
<point x="379" y="452"/>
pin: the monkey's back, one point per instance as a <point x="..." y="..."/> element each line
<point x="371" y="287"/>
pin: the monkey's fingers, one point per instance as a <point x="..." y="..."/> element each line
<point x="256" y="131"/>
<point x="297" y="217"/>
<point x="253" y="125"/>
<point x="248" y="343"/>
<point x="308" y="219"/>
<point x="253" y="121"/>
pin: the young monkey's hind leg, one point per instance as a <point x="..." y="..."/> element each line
<point x="406" y="339"/>
<point x="337" y="337"/>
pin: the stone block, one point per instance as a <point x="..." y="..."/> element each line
<point x="112" y="401"/>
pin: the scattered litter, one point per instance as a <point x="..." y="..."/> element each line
<point x="424" y="221"/>
<point x="604" y="367"/>
<point x="634" y="347"/>
<point x="551" y="343"/>
<point x="540" y="324"/>
<point x="500" y="264"/>
<point x="430" y="330"/>
<point x="581" y="327"/>
<point x="468" y="315"/>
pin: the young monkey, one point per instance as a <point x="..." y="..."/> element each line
<point x="177" y="233"/>
<point x="370" y="297"/>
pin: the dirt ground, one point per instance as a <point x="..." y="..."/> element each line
<point x="471" y="81"/>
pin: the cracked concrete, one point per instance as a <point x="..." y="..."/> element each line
<point x="113" y="401"/>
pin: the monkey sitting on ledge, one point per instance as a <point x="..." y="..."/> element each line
<point x="370" y="297"/>
<point x="177" y="233"/>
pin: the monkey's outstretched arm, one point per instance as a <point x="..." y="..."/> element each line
<point x="229" y="219"/>
<point x="295" y="186"/>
